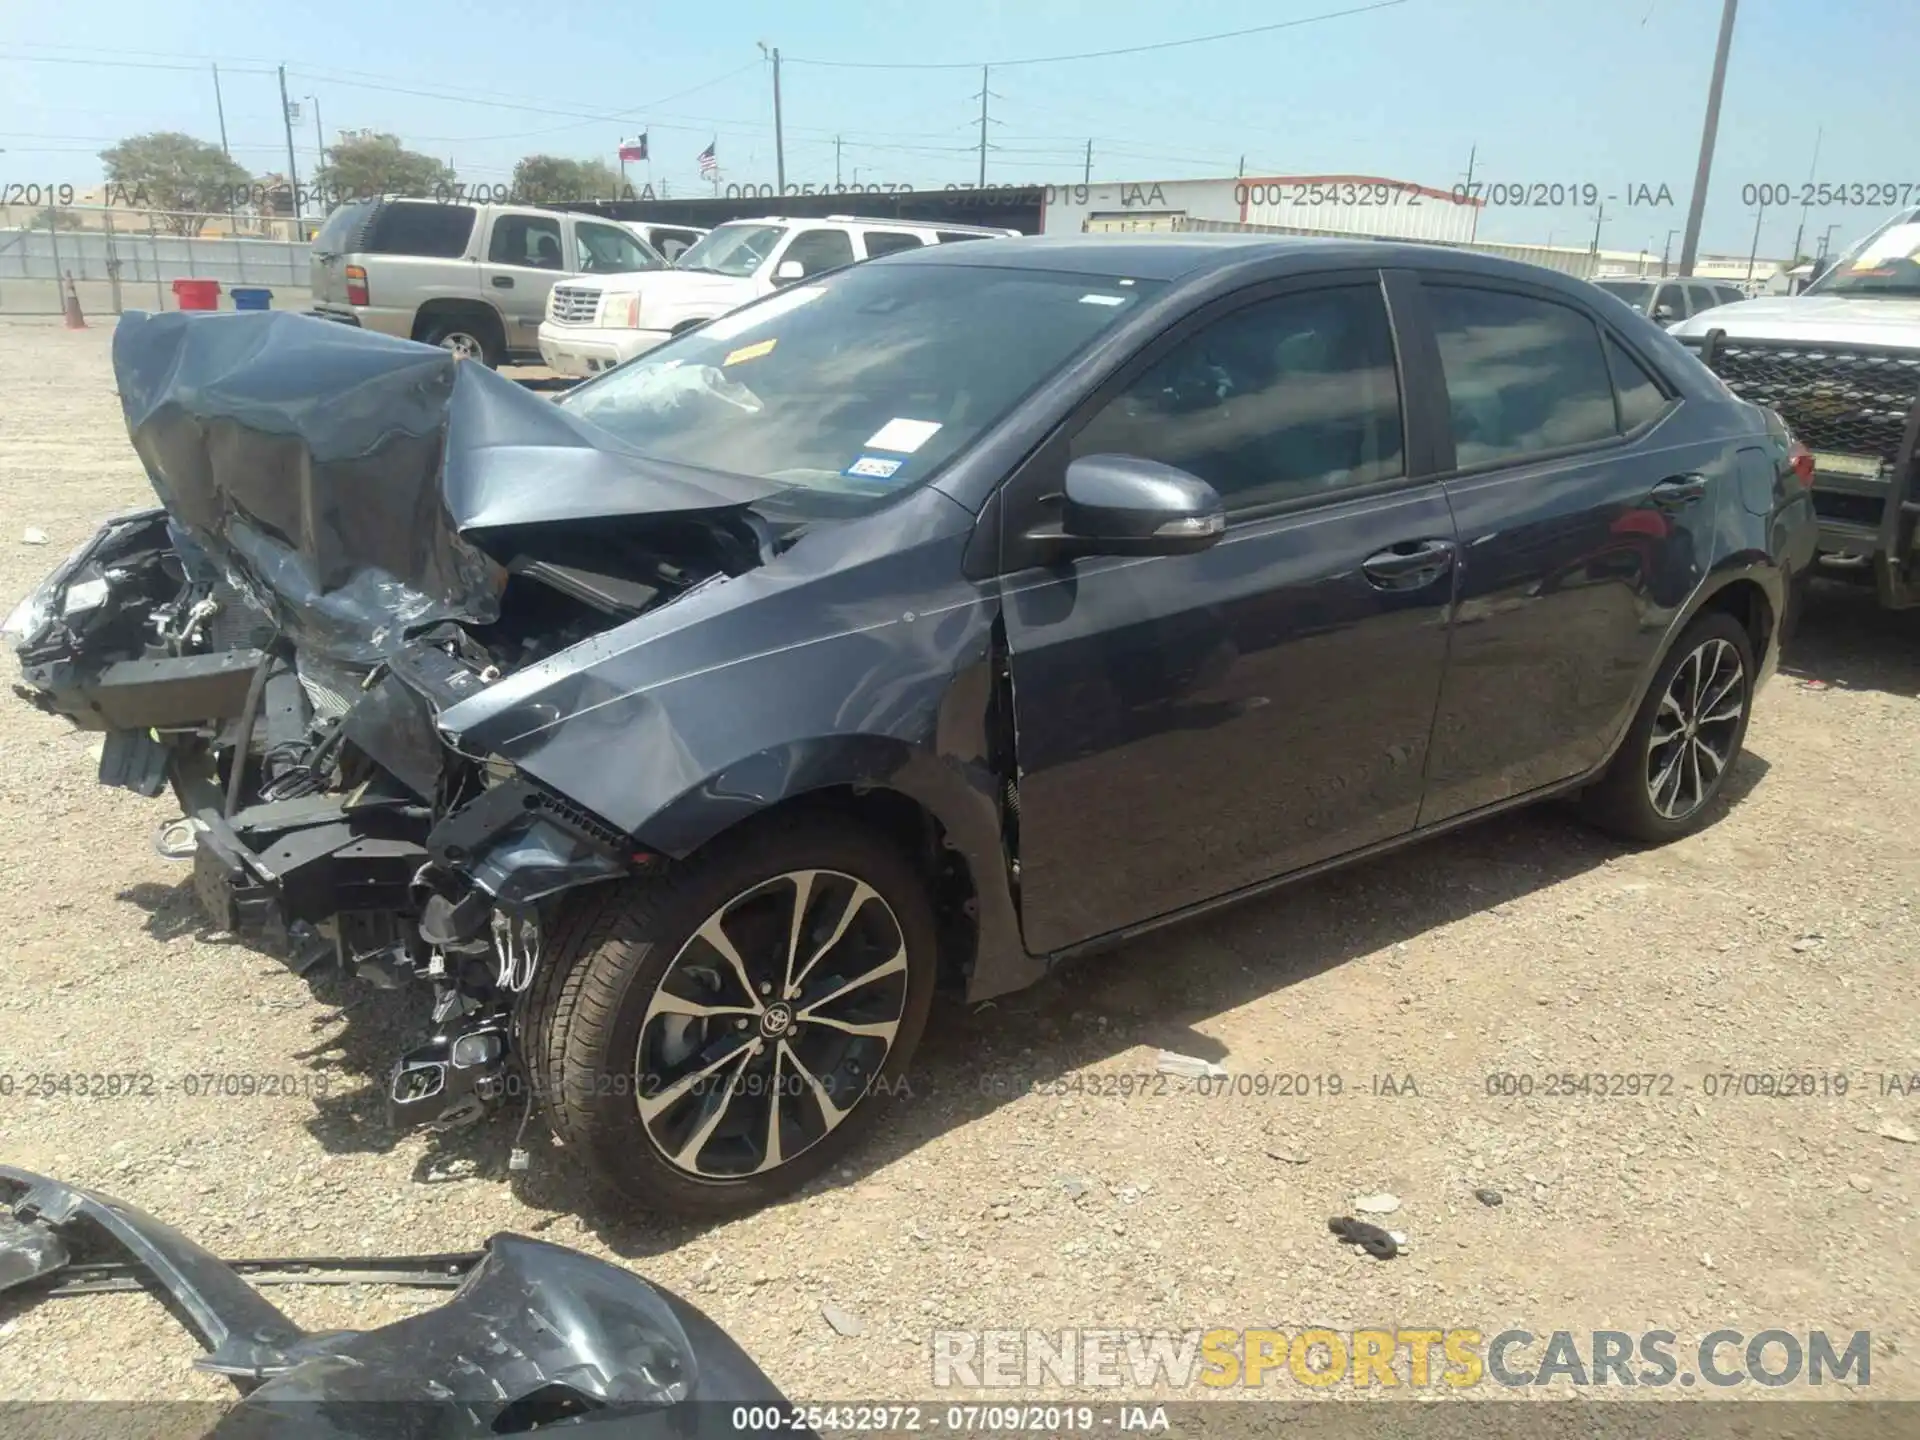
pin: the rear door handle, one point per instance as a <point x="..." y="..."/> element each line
<point x="1679" y="492"/>
<point x="503" y="282"/>
<point x="1409" y="565"/>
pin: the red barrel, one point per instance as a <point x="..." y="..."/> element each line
<point x="197" y="294"/>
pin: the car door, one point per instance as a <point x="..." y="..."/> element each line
<point x="1191" y="725"/>
<point x="526" y="252"/>
<point x="1580" y="486"/>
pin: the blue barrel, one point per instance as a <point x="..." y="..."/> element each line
<point x="248" y="297"/>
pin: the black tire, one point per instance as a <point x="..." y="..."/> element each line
<point x="1622" y="801"/>
<point x="612" y="946"/>
<point x="466" y="334"/>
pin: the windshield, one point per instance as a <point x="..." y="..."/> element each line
<point x="609" y="250"/>
<point x="732" y="249"/>
<point x="861" y="384"/>
<point x="1634" y="292"/>
<point x="1887" y="262"/>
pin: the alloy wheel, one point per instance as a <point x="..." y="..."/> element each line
<point x="770" y="1024"/>
<point x="1695" y="729"/>
<point x="463" y="345"/>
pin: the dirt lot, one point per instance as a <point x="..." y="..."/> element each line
<point x="1781" y="940"/>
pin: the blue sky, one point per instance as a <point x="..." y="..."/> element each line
<point x="1607" y="91"/>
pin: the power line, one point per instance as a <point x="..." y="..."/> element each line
<point x="1095" y="54"/>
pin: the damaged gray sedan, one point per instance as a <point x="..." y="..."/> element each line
<point x="921" y="623"/>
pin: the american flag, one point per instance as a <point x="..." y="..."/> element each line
<point x="709" y="165"/>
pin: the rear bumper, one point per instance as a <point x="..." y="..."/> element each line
<point x="580" y="350"/>
<point x="385" y="320"/>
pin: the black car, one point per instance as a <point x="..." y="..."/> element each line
<point x="923" y="623"/>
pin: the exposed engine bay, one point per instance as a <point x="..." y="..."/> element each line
<point x="356" y="535"/>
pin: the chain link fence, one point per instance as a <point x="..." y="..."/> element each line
<point x="121" y="259"/>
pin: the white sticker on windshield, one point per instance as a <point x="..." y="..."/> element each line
<point x="1103" y="299"/>
<point x="904" y="436"/>
<point x="874" y="467"/>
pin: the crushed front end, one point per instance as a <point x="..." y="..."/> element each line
<point x="356" y="535"/>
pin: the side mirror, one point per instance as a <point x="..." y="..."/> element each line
<point x="1123" y="505"/>
<point x="788" y="271"/>
<point x="1663" y="314"/>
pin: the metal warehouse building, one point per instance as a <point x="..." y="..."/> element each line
<point x="1346" y="204"/>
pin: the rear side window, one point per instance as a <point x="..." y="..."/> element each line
<point x="1728" y="295"/>
<point x="334" y="236"/>
<point x="954" y="237"/>
<point x="414" y="227"/>
<point x="1641" y="399"/>
<point x="1524" y="376"/>
<point x="1701" y="297"/>
<point x="530" y="240"/>
<point x="885" y="242"/>
<point x="1285" y="398"/>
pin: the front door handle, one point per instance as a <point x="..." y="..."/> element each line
<point x="1679" y="492"/>
<point x="503" y="282"/>
<point x="1409" y="565"/>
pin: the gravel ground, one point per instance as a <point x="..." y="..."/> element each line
<point x="1780" y="939"/>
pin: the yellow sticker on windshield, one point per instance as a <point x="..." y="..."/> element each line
<point x="749" y="352"/>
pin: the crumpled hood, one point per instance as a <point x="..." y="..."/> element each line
<point x="1836" y="319"/>
<point x="346" y="480"/>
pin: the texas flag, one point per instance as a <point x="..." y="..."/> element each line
<point x="634" y="149"/>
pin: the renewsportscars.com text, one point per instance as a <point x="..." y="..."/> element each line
<point x="1412" y="1356"/>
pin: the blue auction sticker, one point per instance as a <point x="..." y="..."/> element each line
<point x="874" y="467"/>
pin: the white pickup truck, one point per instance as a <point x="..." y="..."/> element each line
<point x="1840" y="362"/>
<point x="594" y="322"/>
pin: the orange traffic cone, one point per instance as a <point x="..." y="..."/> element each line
<point x="75" y="320"/>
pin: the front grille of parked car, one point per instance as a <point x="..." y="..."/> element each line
<point x="574" y="304"/>
<point x="1849" y="400"/>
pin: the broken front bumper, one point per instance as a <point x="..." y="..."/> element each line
<point x="535" y="1334"/>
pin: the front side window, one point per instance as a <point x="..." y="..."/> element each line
<point x="736" y="250"/>
<point x="818" y="250"/>
<point x="1524" y="376"/>
<point x="530" y="240"/>
<point x="1671" y="298"/>
<point x="1634" y="292"/>
<point x="852" y="388"/>
<point x="1285" y="398"/>
<point x="608" y="250"/>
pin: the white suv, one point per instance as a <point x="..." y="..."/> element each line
<point x="596" y="321"/>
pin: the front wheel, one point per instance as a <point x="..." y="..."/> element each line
<point x="711" y="1039"/>
<point x="1684" y="739"/>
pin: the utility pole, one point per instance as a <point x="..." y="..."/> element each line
<point x="1800" y="234"/>
<point x="779" y="135"/>
<point x="293" y="173"/>
<point x="1665" y="251"/>
<point x="983" y="127"/>
<point x="836" y="162"/>
<point x="1598" y="220"/>
<point x="220" y="109"/>
<point x="1696" y="208"/>
<point x="1754" y="254"/>
<point x="1473" y="216"/>
<point x="319" y="135"/>
<point x="1086" y="176"/>
<point x="1243" y="167"/>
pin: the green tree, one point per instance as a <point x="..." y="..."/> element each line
<point x="553" y="179"/>
<point x="184" y="179"/>
<point x="54" y="219"/>
<point x="363" y="163"/>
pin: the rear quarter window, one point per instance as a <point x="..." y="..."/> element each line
<point x="419" y="227"/>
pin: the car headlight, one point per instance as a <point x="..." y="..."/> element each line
<point x="85" y="595"/>
<point x="28" y="618"/>
<point x="620" y="312"/>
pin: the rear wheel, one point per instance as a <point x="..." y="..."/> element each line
<point x="712" y="1039"/>
<point x="468" y="337"/>
<point x="1684" y="740"/>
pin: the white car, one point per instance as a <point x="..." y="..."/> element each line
<point x="594" y="322"/>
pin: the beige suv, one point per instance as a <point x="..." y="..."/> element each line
<point x="470" y="278"/>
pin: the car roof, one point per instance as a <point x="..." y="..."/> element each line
<point x="1190" y="257"/>
<point x="881" y="222"/>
